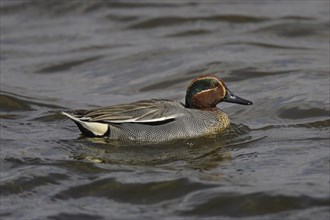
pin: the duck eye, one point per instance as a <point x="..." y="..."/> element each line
<point x="215" y="84"/>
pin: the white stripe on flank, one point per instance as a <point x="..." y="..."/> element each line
<point x="98" y="129"/>
<point x="138" y="120"/>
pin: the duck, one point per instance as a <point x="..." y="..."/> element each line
<point x="159" y="120"/>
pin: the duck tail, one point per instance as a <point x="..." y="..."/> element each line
<point x="72" y="117"/>
<point x="89" y="129"/>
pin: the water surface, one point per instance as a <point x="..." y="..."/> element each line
<point x="272" y="163"/>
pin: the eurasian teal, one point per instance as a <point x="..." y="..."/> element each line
<point x="158" y="120"/>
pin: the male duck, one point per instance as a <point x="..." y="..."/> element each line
<point x="159" y="120"/>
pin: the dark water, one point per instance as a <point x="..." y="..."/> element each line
<point x="272" y="163"/>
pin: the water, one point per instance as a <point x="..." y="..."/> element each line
<point x="272" y="163"/>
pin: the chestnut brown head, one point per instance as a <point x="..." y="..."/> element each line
<point x="206" y="91"/>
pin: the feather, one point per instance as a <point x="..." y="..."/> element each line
<point x="137" y="112"/>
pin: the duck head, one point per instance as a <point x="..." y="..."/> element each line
<point x="206" y="91"/>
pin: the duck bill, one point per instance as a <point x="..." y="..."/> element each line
<point x="230" y="97"/>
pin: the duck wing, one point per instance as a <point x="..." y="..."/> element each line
<point x="146" y="111"/>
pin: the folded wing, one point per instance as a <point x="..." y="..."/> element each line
<point x="147" y="111"/>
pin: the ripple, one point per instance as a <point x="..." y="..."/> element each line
<point x="299" y="112"/>
<point x="9" y="7"/>
<point x="69" y="7"/>
<point x="174" y="20"/>
<point x="55" y="116"/>
<point x="211" y="203"/>
<point x="165" y="84"/>
<point x="190" y="33"/>
<point x="267" y="45"/>
<point x="252" y="72"/>
<point x="135" y="193"/>
<point x="14" y="102"/>
<point x="74" y="216"/>
<point x="9" y="103"/>
<point x="293" y="30"/>
<point x="67" y="65"/>
<point x="26" y="184"/>
<point x="296" y="17"/>
<point x="121" y="18"/>
<point x="9" y="116"/>
<point x="146" y="4"/>
<point x="316" y="124"/>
